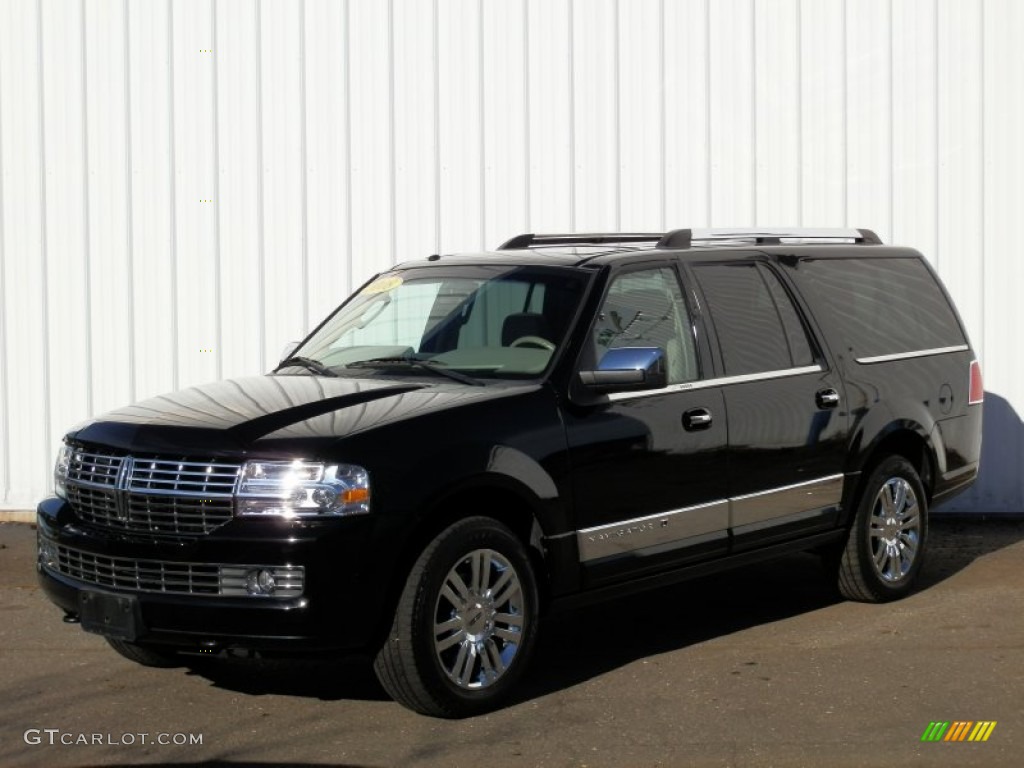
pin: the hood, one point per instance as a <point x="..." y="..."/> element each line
<point x="229" y="416"/>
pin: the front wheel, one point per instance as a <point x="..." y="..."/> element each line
<point x="465" y="624"/>
<point x="886" y="545"/>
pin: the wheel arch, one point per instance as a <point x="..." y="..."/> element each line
<point x="899" y="438"/>
<point x="496" y="496"/>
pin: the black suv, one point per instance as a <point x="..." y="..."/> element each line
<point x="472" y="439"/>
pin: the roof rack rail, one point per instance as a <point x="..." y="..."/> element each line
<point x="684" y="238"/>
<point x="531" y="240"/>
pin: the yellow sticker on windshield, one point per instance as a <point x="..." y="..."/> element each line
<point x="382" y="285"/>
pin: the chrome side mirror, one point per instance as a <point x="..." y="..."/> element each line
<point x="628" y="368"/>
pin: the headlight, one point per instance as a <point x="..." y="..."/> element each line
<point x="302" y="489"/>
<point x="48" y="555"/>
<point x="60" y="470"/>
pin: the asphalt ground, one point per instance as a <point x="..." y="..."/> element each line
<point x="764" y="666"/>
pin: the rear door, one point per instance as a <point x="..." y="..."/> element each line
<point x="649" y="470"/>
<point x="784" y="403"/>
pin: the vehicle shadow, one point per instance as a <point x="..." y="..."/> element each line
<point x="584" y="643"/>
<point x="627" y="629"/>
<point x="317" y="678"/>
<point x="226" y="764"/>
<point x="999" y="488"/>
<point x="956" y="541"/>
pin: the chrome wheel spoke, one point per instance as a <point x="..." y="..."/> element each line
<point x="899" y="492"/>
<point x="880" y="555"/>
<point x="480" y="566"/>
<point x="508" y="619"/>
<point x="448" y="633"/>
<point x="886" y="567"/>
<point x="904" y="559"/>
<point x="463" y="664"/>
<point x="888" y="507"/>
<point x="893" y="569"/>
<point x="487" y="670"/>
<point x="457" y="589"/>
<point x="508" y="635"/>
<point x="455" y="622"/>
<point x="507" y="575"/>
<point x="451" y="640"/>
<point x="492" y="653"/>
<point x="449" y="595"/>
<point x="486" y="572"/>
<point x="509" y="590"/>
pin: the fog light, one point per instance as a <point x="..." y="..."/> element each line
<point x="260" y="582"/>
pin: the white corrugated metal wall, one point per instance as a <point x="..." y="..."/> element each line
<point x="188" y="184"/>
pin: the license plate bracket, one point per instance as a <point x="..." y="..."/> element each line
<point x="103" y="613"/>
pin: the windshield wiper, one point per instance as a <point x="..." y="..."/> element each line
<point x="427" y="365"/>
<point x="308" y="363"/>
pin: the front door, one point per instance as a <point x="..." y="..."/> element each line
<point x="649" y="470"/>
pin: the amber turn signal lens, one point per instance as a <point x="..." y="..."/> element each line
<point x="355" y="495"/>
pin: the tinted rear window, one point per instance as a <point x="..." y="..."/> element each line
<point x="883" y="306"/>
<point x="758" y="328"/>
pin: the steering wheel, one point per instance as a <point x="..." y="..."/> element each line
<point x="533" y="341"/>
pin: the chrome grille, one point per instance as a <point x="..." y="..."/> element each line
<point x="164" y="576"/>
<point x="93" y="505"/>
<point x="176" y="514"/>
<point x="94" y="468"/>
<point x="183" y="476"/>
<point x="166" y="496"/>
<point x="138" y="575"/>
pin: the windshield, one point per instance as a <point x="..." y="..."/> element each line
<point x="485" y="321"/>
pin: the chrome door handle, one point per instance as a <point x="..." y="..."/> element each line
<point x="827" y="398"/>
<point x="696" y="418"/>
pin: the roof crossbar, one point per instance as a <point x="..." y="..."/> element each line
<point x="687" y="238"/>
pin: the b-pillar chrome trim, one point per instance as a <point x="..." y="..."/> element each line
<point x="678" y="527"/>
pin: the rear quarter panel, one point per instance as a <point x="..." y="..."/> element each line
<point x="926" y="395"/>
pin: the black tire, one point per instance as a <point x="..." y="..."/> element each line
<point x="888" y="537"/>
<point x="146" y="655"/>
<point x="484" y="646"/>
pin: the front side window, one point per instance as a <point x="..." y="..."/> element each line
<point x="758" y="328"/>
<point x="646" y="309"/>
<point x="486" y="321"/>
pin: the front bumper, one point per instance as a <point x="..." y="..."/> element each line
<point x="334" y="610"/>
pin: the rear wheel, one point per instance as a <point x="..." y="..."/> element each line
<point x="146" y="655"/>
<point x="465" y="625"/>
<point x="886" y="545"/>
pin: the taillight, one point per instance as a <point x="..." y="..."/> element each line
<point x="977" y="388"/>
